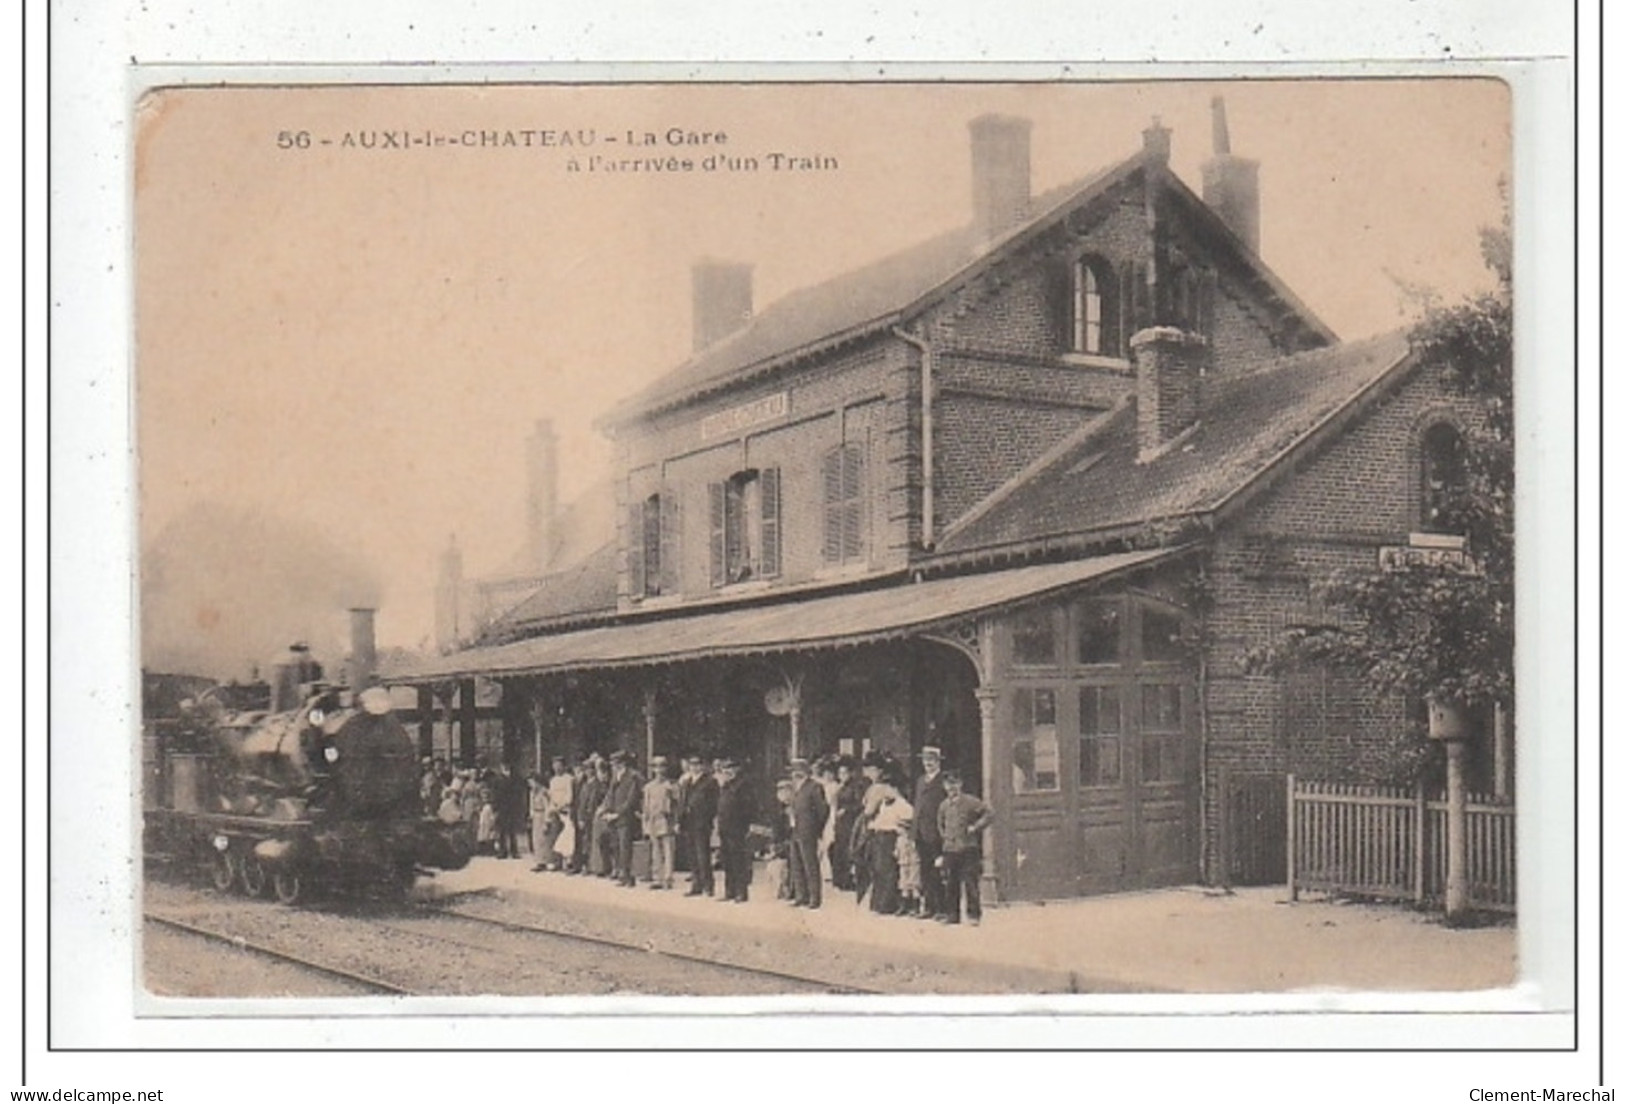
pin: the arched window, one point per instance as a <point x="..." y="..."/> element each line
<point x="1444" y="478"/>
<point x="1091" y="314"/>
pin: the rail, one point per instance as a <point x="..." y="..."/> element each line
<point x="362" y="980"/>
<point x="840" y="988"/>
<point x="1387" y="842"/>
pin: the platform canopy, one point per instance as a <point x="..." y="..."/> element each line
<point x="830" y="621"/>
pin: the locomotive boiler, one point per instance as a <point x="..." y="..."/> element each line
<point x="324" y="793"/>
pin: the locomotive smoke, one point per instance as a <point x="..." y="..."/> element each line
<point x="225" y="589"/>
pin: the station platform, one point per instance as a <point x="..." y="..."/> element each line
<point x="1176" y="940"/>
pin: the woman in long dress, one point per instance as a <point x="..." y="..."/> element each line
<point x="881" y="821"/>
<point x="847" y="811"/>
<point x="541" y="809"/>
<point x="826" y="838"/>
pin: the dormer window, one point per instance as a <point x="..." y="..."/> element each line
<point x="1444" y="479"/>
<point x="745" y="527"/>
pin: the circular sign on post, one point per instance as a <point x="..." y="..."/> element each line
<point x="777" y="701"/>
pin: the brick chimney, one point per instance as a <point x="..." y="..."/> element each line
<point x="1159" y="141"/>
<point x="1001" y="172"/>
<point x="542" y="500"/>
<point x="722" y="300"/>
<point x="1169" y="368"/>
<point x="1230" y="184"/>
<point x="363" y="648"/>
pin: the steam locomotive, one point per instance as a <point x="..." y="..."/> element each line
<point x="325" y="794"/>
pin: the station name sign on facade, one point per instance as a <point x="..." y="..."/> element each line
<point x="726" y="423"/>
<point x="1427" y="550"/>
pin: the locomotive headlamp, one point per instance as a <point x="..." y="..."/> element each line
<point x="317" y="717"/>
<point x="375" y="700"/>
<point x="330" y="753"/>
<point x="221" y="843"/>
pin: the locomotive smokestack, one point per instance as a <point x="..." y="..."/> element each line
<point x="363" y="648"/>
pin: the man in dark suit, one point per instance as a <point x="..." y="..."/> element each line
<point x="696" y="815"/>
<point x="809" y="809"/>
<point x="734" y="811"/>
<point x="928" y="796"/>
<point x="618" y="814"/>
<point x="589" y="792"/>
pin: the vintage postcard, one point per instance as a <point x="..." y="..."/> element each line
<point x="826" y="540"/>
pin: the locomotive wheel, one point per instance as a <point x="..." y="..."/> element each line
<point x="290" y="886"/>
<point x="223" y="871"/>
<point x="254" y="877"/>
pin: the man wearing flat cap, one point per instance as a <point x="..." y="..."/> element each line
<point x="660" y="823"/>
<point x="809" y="809"/>
<point x="928" y="796"/>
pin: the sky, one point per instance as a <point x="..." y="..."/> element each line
<point x="357" y="341"/>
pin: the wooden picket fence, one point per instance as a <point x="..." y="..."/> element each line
<point x="1381" y="841"/>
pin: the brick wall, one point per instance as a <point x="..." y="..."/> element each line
<point x="982" y="442"/>
<point x="1239" y="339"/>
<point x="1330" y="515"/>
<point x="1012" y="308"/>
<point x="848" y="398"/>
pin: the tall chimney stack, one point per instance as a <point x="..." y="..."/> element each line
<point x="363" y="648"/>
<point x="1169" y="370"/>
<point x="1001" y="172"/>
<point x="1230" y="183"/>
<point x="542" y="500"/>
<point x="722" y="300"/>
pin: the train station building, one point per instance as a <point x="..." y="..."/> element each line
<point x="1029" y="491"/>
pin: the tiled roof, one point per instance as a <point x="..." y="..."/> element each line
<point x="884" y="293"/>
<point x="1249" y="419"/>
<point x="855" y="303"/>
<point x="829" y="621"/>
<point x="587" y="589"/>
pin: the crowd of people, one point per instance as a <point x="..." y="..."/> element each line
<point x="909" y="848"/>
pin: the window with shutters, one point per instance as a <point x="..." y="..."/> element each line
<point x="745" y="527"/>
<point x="844" y="505"/>
<point x="653" y="534"/>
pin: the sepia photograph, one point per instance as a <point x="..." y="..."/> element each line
<point x="809" y="539"/>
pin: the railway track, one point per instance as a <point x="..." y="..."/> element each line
<point x="801" y="980"/>
<point x="522" y="944"/>
<point x="351" y="977"/>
